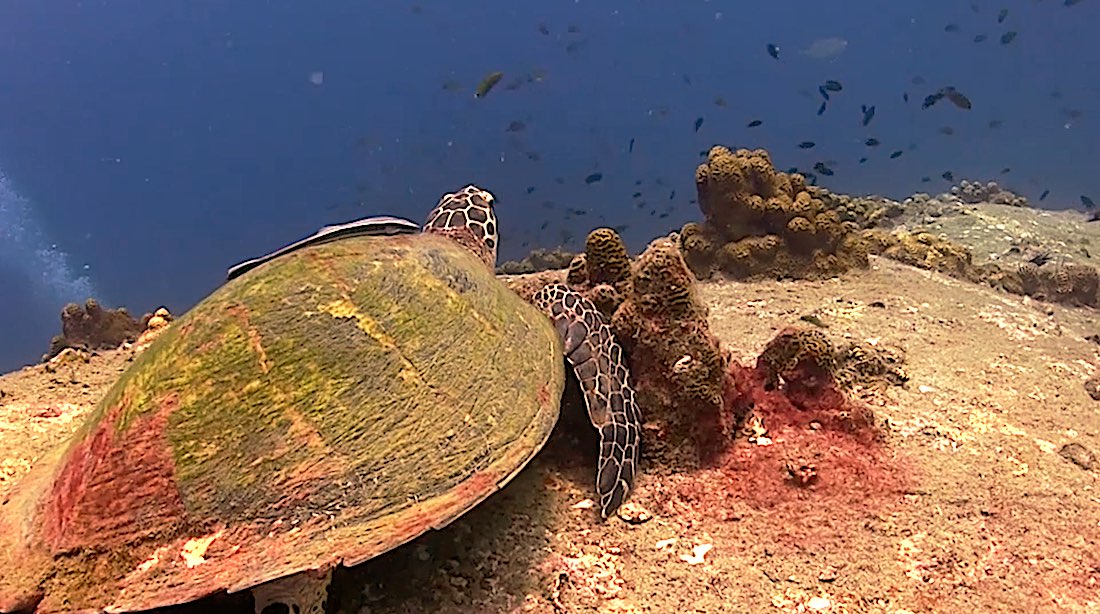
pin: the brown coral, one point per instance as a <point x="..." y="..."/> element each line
<point x="745" y="200"/>
<point x="91" y="327"/>
<point x="678" y="365"/>
<point x="607" y="259"/>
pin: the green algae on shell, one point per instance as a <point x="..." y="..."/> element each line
<point x="323" y="409"/>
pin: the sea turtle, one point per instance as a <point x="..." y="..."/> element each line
<point x="330" y="402"/>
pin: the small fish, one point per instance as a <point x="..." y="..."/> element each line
<point x="792" y="170"/>
<point x="811" y="178"/>
<point x="980" y="38"/>
<point x="918" y="80"/>
<point x="905" y="96"/>
<point x="1002" y="15"/>
<point x="703" y="153"/>
<point x="824" y="170"/>
<point x="995" y="123"/>
<point x="946" y="131"/>
<point x="534" y="156"/>
<point x="754" y="123"/>
<point x="1044" y="195"/>
<point x="871" y="142"/>
<point x="698" y="123"/>
<point x="1071" y="2"/>
<point x="672" y="195"/>
<point x="593" y="178"/>
<point x="530" y="189"/>
<point x="824" y="92"/>
<point x="806" y="145"/>
<point x="637" y="195"/>
<point x="561" y="180"/>
<point x="863" y="160"/>
<point x="821" y="109"/>
<point x="451" y="86"/>
<point x="487" y="84"/>
<point x="720" y="102"/>
<point x="951" y="28"/>
<point x="948" y="175"/>
<point x="516" y="126"/>
<point x="574" y="29"/>
<point x="956" y="97"/>
<point x="896" y="154"/>
<point x="1006" y="170"/>
<point x="630" y="148"/>
<point x="1008" y="37"/>
<point x="931" y="99"/>
<point x="773" y="50"/>
<point x="925" y="179"/>
<point x="1087" y="202"/>
<point x="544" y="29"/>
<point x="833" y="85"/>
<point x="868" y="113"/>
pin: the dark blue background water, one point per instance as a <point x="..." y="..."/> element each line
<point x="149" y="145"/>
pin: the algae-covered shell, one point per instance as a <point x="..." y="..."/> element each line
<point x="321" y="409"/>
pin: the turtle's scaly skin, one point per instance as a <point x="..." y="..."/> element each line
<point x="323" y="408"/>
<point x="467" y="217"/>
<point x="600" y="366"/>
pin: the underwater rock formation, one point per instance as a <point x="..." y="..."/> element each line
<point x="679" y="370"/>
<point x="760" y="222"/>
<point x="92" y="327"/>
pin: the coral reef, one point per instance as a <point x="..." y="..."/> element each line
<point x="971" y="192"/>
<point x="761" y="222"/>
<point x="863" y="211"/>
<point x="92" y="327"/>
<point x="538" y="260"/>
<point x="799" y="379"/>
<point x="924" y="250"/>
<point x="678" y="368"/>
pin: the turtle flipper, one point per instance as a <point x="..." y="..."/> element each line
<point x="600" y="366"/>
<point x="467" y="217"/>
<point x="370" y="226"/>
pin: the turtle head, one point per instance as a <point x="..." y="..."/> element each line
<point x="467" y="217"/>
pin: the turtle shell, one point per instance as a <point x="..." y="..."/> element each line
<point x="319" y="410"/>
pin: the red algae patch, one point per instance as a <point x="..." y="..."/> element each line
<point x="115" y="486"/>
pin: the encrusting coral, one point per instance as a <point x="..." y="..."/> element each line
<point x="761" y="222"/>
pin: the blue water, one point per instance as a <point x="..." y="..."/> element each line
<point x="146" y="146"/>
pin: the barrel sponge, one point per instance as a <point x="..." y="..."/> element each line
<point x="578" y="271"/>
<point x="608" y="261"/>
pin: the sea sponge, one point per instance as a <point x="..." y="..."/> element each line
<point x="742" y="197"/>
<point x="92" y="327"/>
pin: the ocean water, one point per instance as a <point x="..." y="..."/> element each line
<point x="147" y="146"/>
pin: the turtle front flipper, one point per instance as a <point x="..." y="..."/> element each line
<point x="600" y="365"/>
